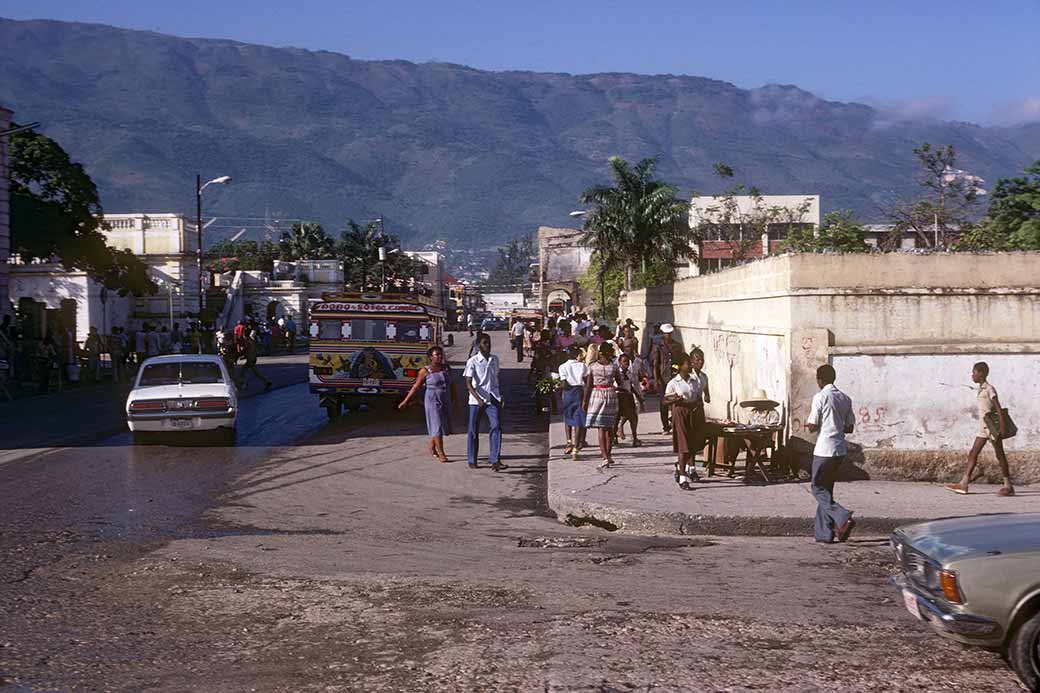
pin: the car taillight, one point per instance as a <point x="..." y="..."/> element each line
<point x="213" y="403"/>
<point x="145" y="406"/>
<point x="951" y="590"/>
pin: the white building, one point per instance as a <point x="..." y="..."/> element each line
<point x="501" y="305"/>
<point x="5" y="218"/>
<point x="168" y="245"/>
<point x="435" y="274"/>
<point x="760" y="223"/>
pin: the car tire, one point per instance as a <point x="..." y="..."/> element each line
<point x="1024" y="652"/>
<point x="333" y="410"/>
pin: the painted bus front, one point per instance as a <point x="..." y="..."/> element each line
<point x="365" y="347"/>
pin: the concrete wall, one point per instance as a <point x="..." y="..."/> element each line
<point x="902" y="331"/>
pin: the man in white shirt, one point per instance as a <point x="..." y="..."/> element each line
<point x="517" y="333"/>
<point x="831" y="416"/>
<point x="485" y="399"/>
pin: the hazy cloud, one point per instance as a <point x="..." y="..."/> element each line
<point x="776" y="103"/>
<point x="925" y="109"/>
<point x="1026" y="110"/>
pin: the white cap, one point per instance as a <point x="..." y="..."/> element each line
<point x="667" y="328"/>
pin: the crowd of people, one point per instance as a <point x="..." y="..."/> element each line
<point x="605" y="377"/>
<point x="32" y="362"/>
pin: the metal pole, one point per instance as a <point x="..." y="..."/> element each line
<point x="169" y="294"/>
<point x="198" y="230"/>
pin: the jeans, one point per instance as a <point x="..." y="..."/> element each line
<point x="830" y="515"/>
<point x="518" y="344"/>
<point x="476" y="412"/>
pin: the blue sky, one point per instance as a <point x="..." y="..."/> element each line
<point x="976" y="61"/>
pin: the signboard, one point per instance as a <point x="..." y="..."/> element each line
<point x="344" y="307"/>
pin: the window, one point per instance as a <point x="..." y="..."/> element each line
<point x="330" y="329"/>
<point x="368" y="330"/>
<point x="181" y="372"/>
<point x="410" y="331"/>
<point x="200" y="372"/>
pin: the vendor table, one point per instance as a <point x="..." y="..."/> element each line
<point x="761" y="449"/>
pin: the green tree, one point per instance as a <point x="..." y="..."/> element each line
<point x="839" y="232"/>
<point x="513" y="266"/>
<point x="948" y="208"/>
<point x="1012" y="221"/>
<point x="637" y="221"/>
<point x="306" y="241"/>
<point x="56" y="213"/>
<point x="229" y="256"/>
<point x="359" y="246"/>
<point x="605" y="282"/>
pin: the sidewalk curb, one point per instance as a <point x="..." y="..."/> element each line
<point x="572" y="509"/>
<point x="576" y="512"/>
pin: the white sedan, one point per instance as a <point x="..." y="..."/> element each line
<point x="182" y="392"/>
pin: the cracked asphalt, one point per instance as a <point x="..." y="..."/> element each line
<point x="316" y="557"/>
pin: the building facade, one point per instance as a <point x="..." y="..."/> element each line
<point x="167" y="244"/>
<point x="735" y="229"/>
<point x="435" y="274"/>
<point x="562" y="260"/>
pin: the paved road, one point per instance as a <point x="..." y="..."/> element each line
<point x="353" y="561"/>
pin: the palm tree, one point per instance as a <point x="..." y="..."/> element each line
<point x="359" y="248"/>
<point x="638" y="221"/>
<point x="306" y="241"/>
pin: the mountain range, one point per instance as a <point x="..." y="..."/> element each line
<point x="439" y="151"/>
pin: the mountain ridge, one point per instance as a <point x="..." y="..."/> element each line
<point x="441" y="151"/>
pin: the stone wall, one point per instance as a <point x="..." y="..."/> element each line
<point x="902" y="330"/>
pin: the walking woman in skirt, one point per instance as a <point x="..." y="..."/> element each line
<point x="573" y="373"/>
<point x="601" y="403"/>
<point x="439" y="400"/>
<point x="683" y="395"/>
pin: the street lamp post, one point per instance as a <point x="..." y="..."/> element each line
<point x="199" y="187"/>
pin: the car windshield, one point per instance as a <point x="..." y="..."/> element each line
<point x="180" y="373"/>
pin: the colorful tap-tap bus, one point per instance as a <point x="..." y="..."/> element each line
<point x="369" y="347"/>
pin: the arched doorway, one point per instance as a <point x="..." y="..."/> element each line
<point x="275" y="310"/>
<point x="558" y="301"/>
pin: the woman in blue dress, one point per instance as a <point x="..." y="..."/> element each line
<point x="439" y="400"/>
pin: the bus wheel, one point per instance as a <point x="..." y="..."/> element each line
<point x="333" y="410"/>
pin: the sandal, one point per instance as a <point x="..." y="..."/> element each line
<point x="604" y="464"/>
<point x="443" y="460"/>
<point x="636" y="443"/>
<point x="568" y="450"/>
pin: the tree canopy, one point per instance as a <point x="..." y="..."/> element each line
<point x="306" y="241"/>
<point x="1012" y="221"/>
<point x="839" y="232"/>
<point x="359" y="246"/>
<point x="513" y="267"/>
<point x="947" y="209"/>
<point x="638" y="221"/>
<point x="229" y="256"/>
<point x="56" y="213"/>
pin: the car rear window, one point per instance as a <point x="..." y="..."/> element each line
<point x="180" y="372"/>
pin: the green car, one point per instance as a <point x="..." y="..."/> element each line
<point x="977" y="580"/>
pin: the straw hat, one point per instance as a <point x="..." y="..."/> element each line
<point x="759" y="398"/>
<point x="667" y="328"/>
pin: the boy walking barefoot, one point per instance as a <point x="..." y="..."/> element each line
<point x="987" y="403"/>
